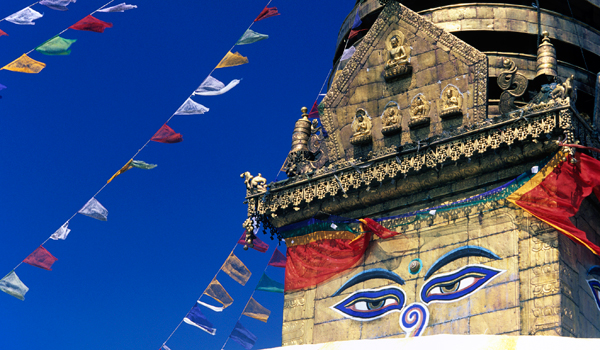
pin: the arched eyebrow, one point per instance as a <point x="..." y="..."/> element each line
<point x="368" y="275"/>
<point x="594" y="270"/>
<point x="462" y="252"/>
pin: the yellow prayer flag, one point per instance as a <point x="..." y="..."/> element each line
<point x="25" y="64"/>
<point x="232" y="59"/>
<point x="216" y="291"/>
<point x="255" y="310"/>
<point x="121" y="171"/>
<point x="236" y="269"/>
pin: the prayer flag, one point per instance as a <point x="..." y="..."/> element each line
<point x="190" y="107"/>
<point x="24" y="64"/>
<point x="314" y="111"/>
<point x="25" y="16"/>
<point x="213" y="308"/>
<point x="121" y="171"/>
<point x="11" y="284"/>
<point x="266" y="13"/>
<point x="266" y="284"/>
<point x="166" y="135"/>
<point x="2" y="87"/>
<point x="354" y="33"/>
<point x="236" y="269"/>
<point x="122" y="7"/>
<point x="357" y="21"/>
<point x="94" y="209"/>
<point x="277" y="259"/>
<point x="197" y="319"/>
<point x="41" y="258"/>
<point x="232" y="60"/>
<point x="258" y="244"/>
<point x="255" y="310"/>
<point x="555" y="193"/>
<point x="348" y="53"/>
<point x="250" y="37"/>
<point x="56" y="46"/>
<point x="60" y="5"/>
<point x="92" y="24"/>
<point x="140" y="164"/>
<point x="164" y="347"/>
<point x="62" y="232"/>
<point x="243" y="336"/>
<point x="3" y="33"/>
<point x="216" y="291"/>
<point x="212" y="87"/>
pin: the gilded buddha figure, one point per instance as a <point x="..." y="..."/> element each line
<point x="451" y="102"/>
<point x="361" y="126"/>
<point x="419" y="111"/>
<point x="398" y="54"/>
<point x="391" y="119"/>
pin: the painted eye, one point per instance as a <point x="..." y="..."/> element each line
<point x="453" y="286"/>
<point x="370" y="304"/>
<point x="595" y="286"/>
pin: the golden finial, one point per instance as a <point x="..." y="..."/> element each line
<point x="304" y="114"/>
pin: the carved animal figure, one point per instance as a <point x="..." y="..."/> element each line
<point x="254" y="182"/>
<point x="563" y="90"/>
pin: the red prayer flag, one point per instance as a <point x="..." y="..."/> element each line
<point x="266" y="13"/>
<point x="41" y="258"/>
<point x="258" y="244"/>
<point x="167" y="135"/>
<point x="2" y="33"/>
<point x="314" y="111"/>
<point x="277" y="259"/>
<point x="354" y="33"/>
<point x="555" y="193"/>
<point x="92" y="24"/>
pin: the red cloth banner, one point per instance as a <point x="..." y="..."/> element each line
<point x="316" y="262"/>
<point x="166" y="135"/>
<point x="258" y="244"/>
<point x="92" y="24"/>
<point x="41" y="258"/>
<point x="373" y="227"/>
<point x="556" y="192"/>
<point x="266" y="13"/>
<point x="354" y="33"/>
<point x="2" y="33"/>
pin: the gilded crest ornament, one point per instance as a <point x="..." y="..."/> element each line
<point x="419" y="112"/>
<point x="361" y="126"/>
<point x="451" y="102"/>
<point x="397" y="63"/>
<point x="391" y="119"/>
<point x="514" y="85"/>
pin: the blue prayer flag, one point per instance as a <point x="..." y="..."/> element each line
<point x="266" y="284"/>
<point x="243" y="336"/>
<point x="196" y="318"/>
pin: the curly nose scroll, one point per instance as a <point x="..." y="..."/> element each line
<point x="414" y="319"/>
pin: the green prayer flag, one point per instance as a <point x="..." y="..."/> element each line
<point x="142" y="165"/>
<point x="56" y="46"/>
<point x="11" y="284"/>
<point x="266" y="284"/>
<point x="251" y="37"/>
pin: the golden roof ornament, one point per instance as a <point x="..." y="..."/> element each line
<point x="546" y="57"/>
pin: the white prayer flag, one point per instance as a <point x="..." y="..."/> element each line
<point x="348" y="53"/>
<point x="62" y="232"/>
<point x="94" y="209"/>
<point x="213" y="87"/>
<point x="213" y="308"/>
<point x="25" y="16"/>
<point x="122" y="7"/>
<point x="190" y="107"/>
<point x="11" y="284"/>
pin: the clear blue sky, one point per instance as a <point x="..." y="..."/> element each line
<point x="127" y="283"/>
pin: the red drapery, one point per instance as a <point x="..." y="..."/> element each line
<point x="555" y="193"/>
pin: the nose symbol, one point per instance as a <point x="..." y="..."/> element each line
<point x="414" y="319"/>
